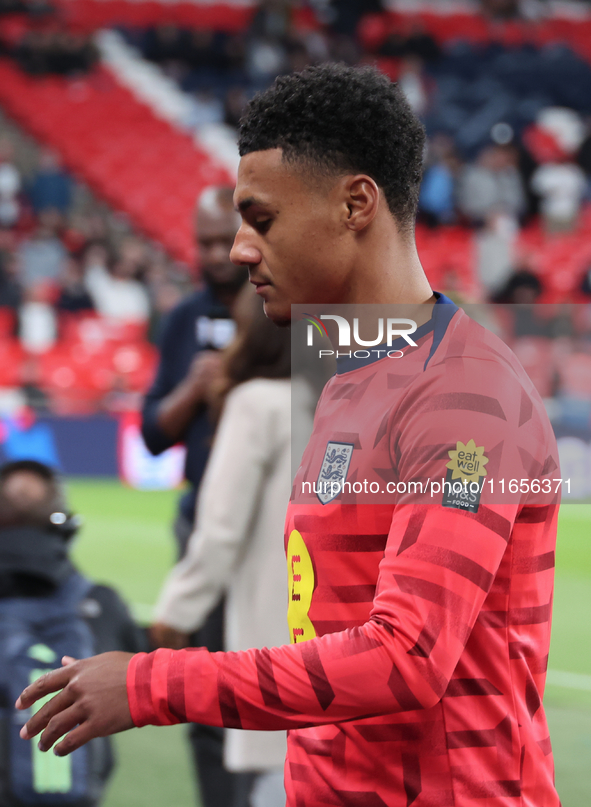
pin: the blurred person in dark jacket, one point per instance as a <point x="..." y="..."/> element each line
<point x="35" y="552"/>
<point x="74" y="296"/>
<point x="51" y="187"/>
<point x="47" y="608"/>
<point x="175" y="411"/>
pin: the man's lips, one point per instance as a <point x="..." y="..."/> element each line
<point x="260" y="285"/>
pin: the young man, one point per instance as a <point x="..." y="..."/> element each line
<point x="420" y="625"/>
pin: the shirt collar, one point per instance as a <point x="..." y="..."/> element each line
<point x="443" y="311"/>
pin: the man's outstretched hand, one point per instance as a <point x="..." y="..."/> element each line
<point x="92" y="702"/>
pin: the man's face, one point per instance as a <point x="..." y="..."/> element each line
<point x="292" y="236"/>
<point x="215" y="231"/>
<point x="25" y="488"/>
<point x="24" y="498"/>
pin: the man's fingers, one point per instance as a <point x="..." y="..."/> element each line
<point x="51" y="682"/>
<point x="60" y="724"/>
<point x="77" y="737"/>
<point x="94" y="695"/>
<point x="67" y="660"/>
<point x="40" y="720"/>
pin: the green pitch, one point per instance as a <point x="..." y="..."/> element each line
<point x="126" y="542"/>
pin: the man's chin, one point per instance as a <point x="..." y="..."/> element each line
<point x="278" y="314"/>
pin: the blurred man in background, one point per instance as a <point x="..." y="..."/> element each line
<point x="175" y="411"/>
<point x="234" y="548"/>
<point x="48" y="610"/>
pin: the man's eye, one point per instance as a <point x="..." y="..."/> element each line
<point x="262" y="225"/>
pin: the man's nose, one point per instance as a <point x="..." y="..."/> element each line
<point x="244" y="251"/>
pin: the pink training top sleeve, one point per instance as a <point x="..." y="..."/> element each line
<point x="358" y="672"/>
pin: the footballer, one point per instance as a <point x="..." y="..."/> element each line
<point x="420" y="626"/>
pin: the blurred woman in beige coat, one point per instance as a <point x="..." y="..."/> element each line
<point x="237" y="545"/>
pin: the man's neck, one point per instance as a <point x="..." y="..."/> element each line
<point x="388" y="272"/>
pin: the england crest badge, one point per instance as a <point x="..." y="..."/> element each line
<point x="333" y="471"/>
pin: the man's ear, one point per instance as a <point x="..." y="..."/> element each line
<point x="362" y="201"/>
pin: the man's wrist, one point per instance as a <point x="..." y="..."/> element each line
<point x="136" y="691"/>
<point x="194" y="389"/>
<point x="147" y="688"/>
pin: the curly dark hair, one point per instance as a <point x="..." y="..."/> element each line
<point x="339" y="119"/>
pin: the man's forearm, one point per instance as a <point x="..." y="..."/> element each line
<point x="288" y="687"/>
<point x="177" y="410"/>
<point x="323" y="680"/>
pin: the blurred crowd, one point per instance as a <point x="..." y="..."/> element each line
<point x="507" y="167"/>
<point x="33" y="8"/>
<point x="62" y="253"/>
<point x="509" y="130"/>
<point x="492" y="172"/>
<point x="46" y="46"/>
<point x="55" y="51"/>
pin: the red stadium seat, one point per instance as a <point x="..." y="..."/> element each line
<point x="135" y="160"/>
<point x="95" y="332"/>
<point x="11" y="358"/>
<point x="135" y="365"/>
<point x="7" y="322"/>
<point x="73" y="380"/>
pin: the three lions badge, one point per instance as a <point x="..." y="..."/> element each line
<point x="333" y="471"/>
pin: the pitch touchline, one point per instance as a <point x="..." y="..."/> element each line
<point x="568" y="680"/>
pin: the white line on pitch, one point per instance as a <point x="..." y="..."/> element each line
<point x="568" y="680"/>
